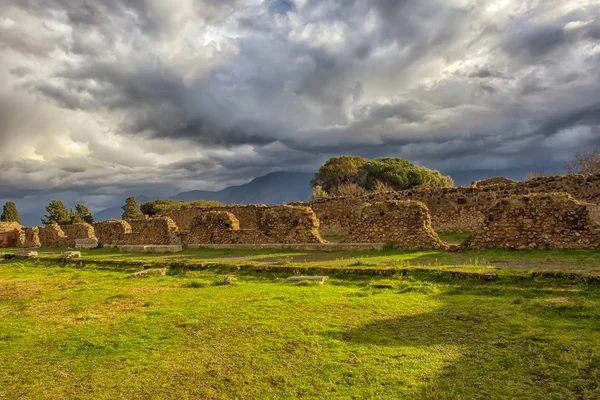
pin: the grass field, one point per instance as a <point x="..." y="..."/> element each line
<point x="90" y="333"/>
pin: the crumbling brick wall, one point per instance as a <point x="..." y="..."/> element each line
<point x="459" y="209"/>
<point x="493" y="182"/>
<point x="111" y="232"/>
<point x="158" y="230"/>
<point x="538" y="221"/>
<point x="406" y="224"/>
<point x="52" y="236"/>
<point x="11" y="234"/>
<point x="32" y="237"/>
<point x="279" y="224"/>
<point x="77" y="231"/>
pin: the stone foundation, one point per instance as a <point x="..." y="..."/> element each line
<point x="111" y="232"/>
<point x="77" y="231"/>
<point x="52" y="236"/>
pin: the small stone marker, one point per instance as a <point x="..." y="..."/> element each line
<point x="320" y="279"/>
<point x="26" y="254"/>
<point x="67" y="255"/>
<point x="86" y="243"/>
<point x="148" y="272"/>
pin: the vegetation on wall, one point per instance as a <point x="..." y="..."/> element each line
<point x="156" y="207"/>
<point x="585" y="163"/>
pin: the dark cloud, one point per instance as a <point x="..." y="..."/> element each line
<point x="107" y="97"/>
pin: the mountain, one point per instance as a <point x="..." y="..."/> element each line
<point x="274" y="188"/>
<point x="115" y="212"/>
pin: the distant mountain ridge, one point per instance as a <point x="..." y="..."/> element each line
<point x="274" y="188"/>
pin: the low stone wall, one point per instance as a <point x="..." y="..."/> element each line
<point x="539" y="221"/>
<point x="459" y="209"/>
<point x="111" y="232"/>
<point x="406" y="224"/>
<point x="10" y="234"/>
<point x="77" y="231"/>
<point x="279" y="224"/>
<point x="52" y="236"/>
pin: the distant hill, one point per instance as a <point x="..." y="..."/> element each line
<point x="274" y="188"/>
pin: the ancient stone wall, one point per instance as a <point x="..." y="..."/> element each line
<point x="32" y="237"/>
<point x="247" y="215"/>
<point x="538" y="221"/>
<point x="77" y="231"/>
<point x="10" y="234"/>
<point x="158" y="230"/>
<point x="279" y="224"/>
<point x="111" y="232"/>
<point x="406" y="224"/>
<point x="493" y="182"/>
<point x="52" y="236"/>
<point x="459" y="209"/>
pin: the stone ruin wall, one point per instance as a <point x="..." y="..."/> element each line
<point x="539" y="221"/>
<point x="10" y="234"/>
<point x="77" y="231"/>
<point x="158" y="231"/>
<point x="111" y="232"/>
<point x="278" y="224"/>
<point x="52" y="236"/>
<point x="32" y="237"/>
<point x="247" y="215"/>
<point x="406" y="224"/>
<point x="459" y="209"/>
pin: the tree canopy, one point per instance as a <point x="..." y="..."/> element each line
<point x="339" y="170"/>
<point x="347" y="174"/>
<point x="10" y="213"/>
<point x="57" y="213"/>
<point x="81" y="214"/>
<point x="131" y="209"/>
<point x="401" y="174"/>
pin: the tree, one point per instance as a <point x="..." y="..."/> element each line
<point x="585" y="163"/>
<point x="400" y="174"/>
<point x="10" y="213"/>
<point x="339" y="170"/>
<point x="57" y="213"/>
<point x="131" y="209"/>
<point x="81" y="214"/>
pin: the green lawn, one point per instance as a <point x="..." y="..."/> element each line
<point x="90" y="333"/>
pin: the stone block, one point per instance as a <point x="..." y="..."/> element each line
<point x="86" y="243"/>
<point x="26" y="254"/>
<point x="69" y="255"/>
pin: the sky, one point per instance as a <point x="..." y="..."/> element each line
<point x="101" y="99"/>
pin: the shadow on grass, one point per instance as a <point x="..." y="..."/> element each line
<point x="506" y="350"/>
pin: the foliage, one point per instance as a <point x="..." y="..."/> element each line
<point x="57" y="213"/>
<point x="160" y="206"/>
<point x="10" y="213"/>
<point x="339" y="170"/>
<point x="131" y="209"/>
<point x="349" y="189"/>
<point x="401" y="174"/>
<point x="319" y="193"/>
<point x="585" y="163"/>
<point x="382" y="187"/>
<point x="81" y="214"/>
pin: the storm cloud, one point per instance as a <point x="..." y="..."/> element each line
<point x="107" y="98"/>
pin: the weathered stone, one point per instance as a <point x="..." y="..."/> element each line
<point x="149" y="272"/>
<point x="67" y="255"/>
<point x="151" y="248"/>
<point x="26" y="254"/>
<point x="320" y="279"/>
<point x="86" y="243"/>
